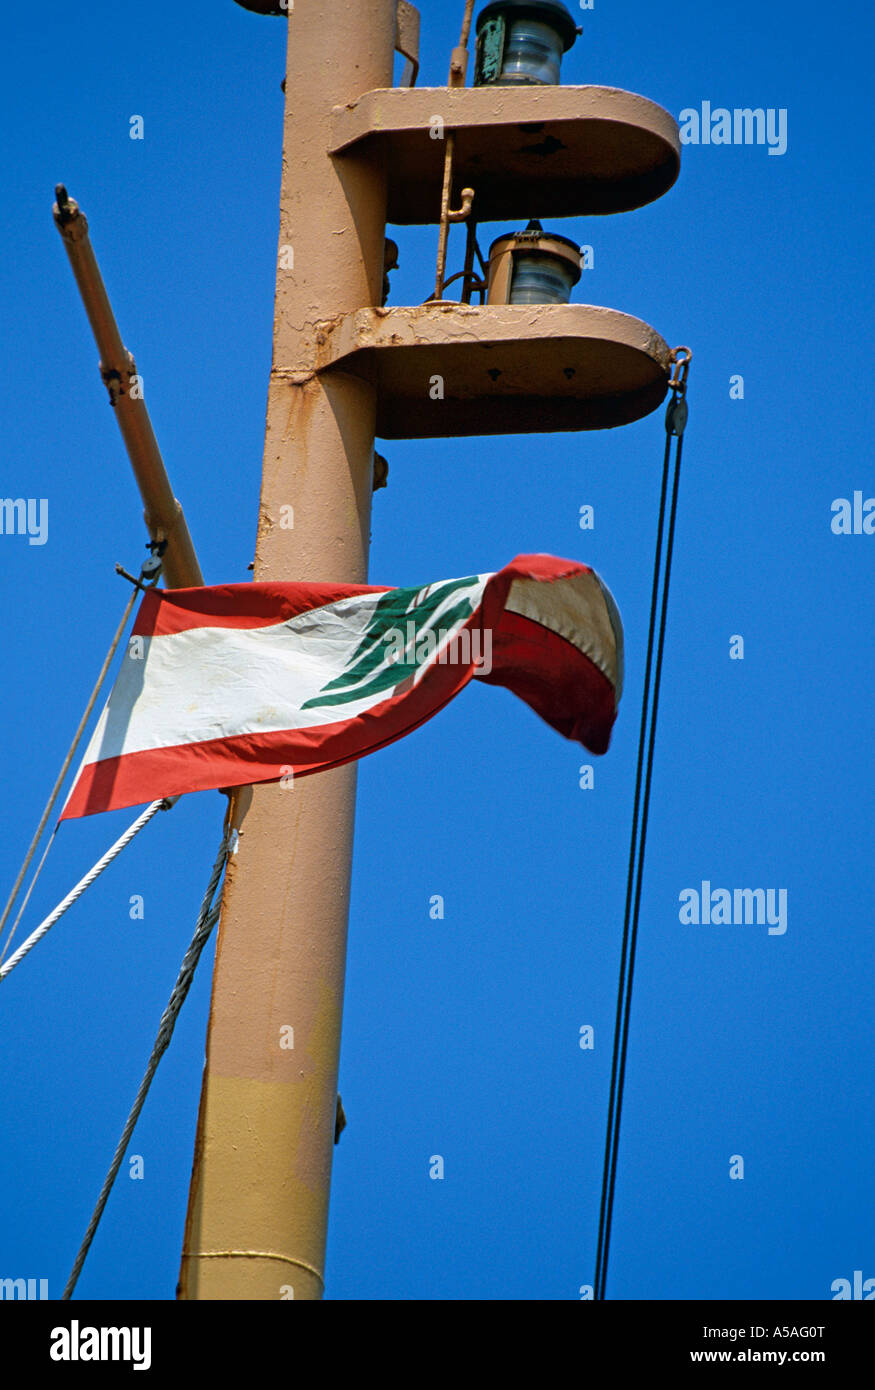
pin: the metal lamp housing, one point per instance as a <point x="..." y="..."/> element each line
<point x="532" y="267"/>
<point x="521" y="42"/>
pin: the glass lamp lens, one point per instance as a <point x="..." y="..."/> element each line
<point x="539" y="279"/>
<point x="533" y="53"/>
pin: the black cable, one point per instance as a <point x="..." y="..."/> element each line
<point x="207" y="918"/>
<point x="675" y="420"/>
<point x="609" y="1141"/>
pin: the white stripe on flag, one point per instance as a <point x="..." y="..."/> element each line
<point x="208" y="683"/>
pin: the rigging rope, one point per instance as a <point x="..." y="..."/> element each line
<point x="30" y="887"/>
<point x="48" y="922"/>
<point x="675" y="422"/>
<point x="207" y="918"/>
<point x="148" y="570"/>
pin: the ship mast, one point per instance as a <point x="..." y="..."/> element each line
<point x="356" y="153"/>
<point x="258" y="1206"/>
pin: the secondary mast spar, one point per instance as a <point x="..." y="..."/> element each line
<point x="163" y="513"/>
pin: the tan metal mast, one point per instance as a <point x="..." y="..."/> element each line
<point x="258" y="1204"/>
<point x="356" y="153"/>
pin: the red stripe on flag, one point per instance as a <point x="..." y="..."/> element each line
<point x="555" y="679"/>
<point x="166" y="612"/>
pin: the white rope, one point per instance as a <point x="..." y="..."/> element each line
<point x="26" y="899"/>
<point x="207" y="918"/>
<point x="86" y="882"/>
<point x="57" y="787"/>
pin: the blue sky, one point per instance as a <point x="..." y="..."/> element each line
<point x="461" y="1036"/>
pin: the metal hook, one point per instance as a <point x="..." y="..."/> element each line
<point x="678" y="379"/>
<point x="464" y="211"/>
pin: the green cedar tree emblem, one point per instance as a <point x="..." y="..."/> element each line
<point x="372" y="668"/>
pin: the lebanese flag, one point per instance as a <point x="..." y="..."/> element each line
<point x="245" y="683"/>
